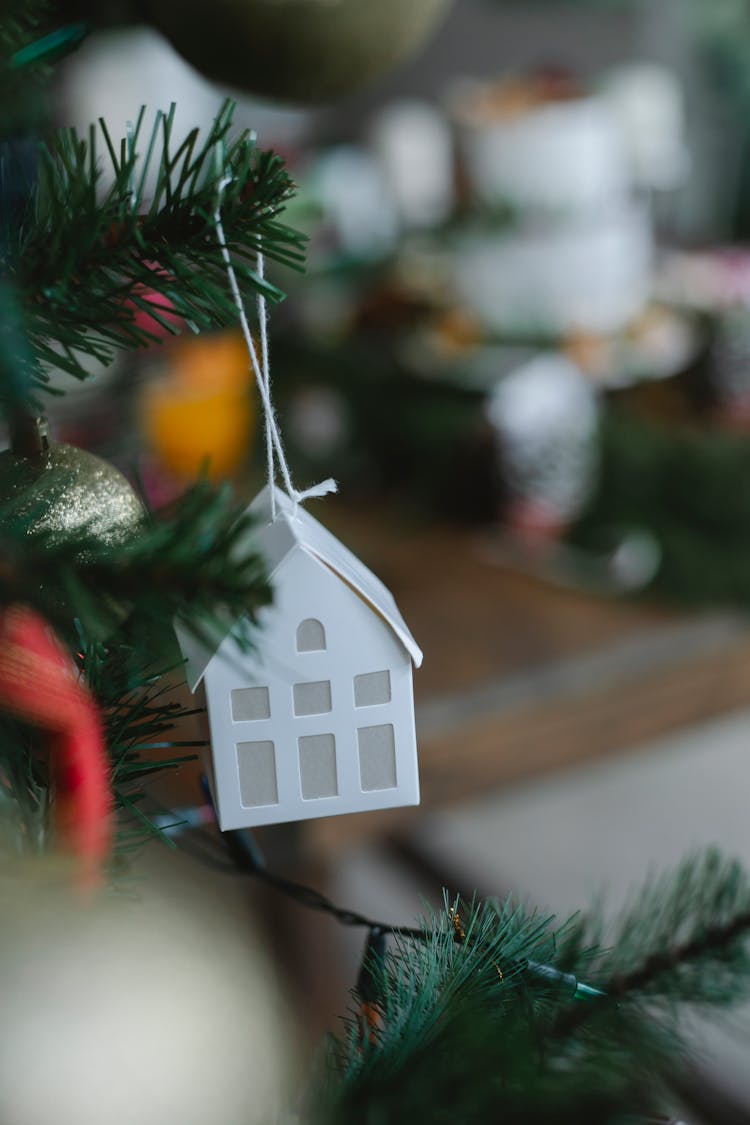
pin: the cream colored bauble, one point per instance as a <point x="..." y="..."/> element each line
<point x="303" y="51"/>
<point x="148" y="1012"/>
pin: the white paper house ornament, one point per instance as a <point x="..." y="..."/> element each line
<point x="319" y="720"/>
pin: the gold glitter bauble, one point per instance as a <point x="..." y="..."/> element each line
<point x="303" y="51"/>
<point x="64" y="491"/>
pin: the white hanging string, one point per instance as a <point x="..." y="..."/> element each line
<point x="266" y="369"/>
<point x="262" y="372"/>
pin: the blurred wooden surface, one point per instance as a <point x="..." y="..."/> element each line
<point x="521" y="677"/>
<point x="475" y="622"/>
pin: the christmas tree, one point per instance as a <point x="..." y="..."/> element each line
<point x="485" y="1011"/>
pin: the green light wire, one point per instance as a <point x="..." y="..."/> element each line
<point x="49" y="47"/>
<point x="580" y="990"/>
<point x="247" y="856"/>
<point x="586" y="992"/>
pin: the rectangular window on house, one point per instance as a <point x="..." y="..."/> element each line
<point x="250" y="704"/>
<point x="377" y="757"/>
<point x="313" y="698"/>
<point x="317" y="766"/>
<point x="257" y="768"/>
<point x="372" y="689"/>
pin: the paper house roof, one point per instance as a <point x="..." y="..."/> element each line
<point x="300" y="531"/>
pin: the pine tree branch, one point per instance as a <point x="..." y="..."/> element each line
<point x="711" y="945"/>
<point x="460" y="1040"/>
<point x="684" y="941"/>
<point x="141" y="722"/>
<point x="684" y="936"/>
<point x="194" y="562"/>
<point x="421" y="982"/>
<point x="88" y="258"/>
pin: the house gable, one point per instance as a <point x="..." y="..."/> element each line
<point x="313" y="537"/>
<point x="305" y="589"/>
<point x="294" y="531"/>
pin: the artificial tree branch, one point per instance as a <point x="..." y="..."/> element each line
<point x="195" y="562"/>
<point x="684" y="940"/>
<point x="88" y="257"/>
<point x="712" y="943"/>
<point x="142" y="720"/>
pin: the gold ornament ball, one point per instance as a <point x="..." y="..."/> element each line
<point x="303" y="51"/>
<point x="64" y="491"/>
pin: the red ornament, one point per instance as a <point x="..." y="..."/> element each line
<point x="40" y="684"/>
<point x="166" y="323"/>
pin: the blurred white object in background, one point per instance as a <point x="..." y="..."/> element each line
<point x="648" y="101"/>
<point x="713" y="280"/>
<point x="319" y="421"/>
<point x="553" y="279"/>
<point x="574" y="252"/>
<point x="566" y="156"/>
<point x="545" y="419"/>
<point x="413" y="144"/>
<point x="351" y="188"/>
<point x="142" y="1012"/>
<point x="115" y="73"/>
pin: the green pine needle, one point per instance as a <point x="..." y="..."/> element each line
<point x="684" y="940"/>
<point x="86" y="257"/>
<point x="141" y="717"/>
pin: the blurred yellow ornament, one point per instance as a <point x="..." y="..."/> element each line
<point x="200" y="414"/>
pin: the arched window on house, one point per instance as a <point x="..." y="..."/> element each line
<point x="311" y="636"/>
